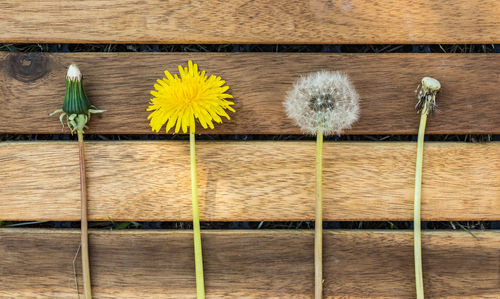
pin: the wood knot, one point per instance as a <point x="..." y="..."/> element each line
<point x="27" y="67"/>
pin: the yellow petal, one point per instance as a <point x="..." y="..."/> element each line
<point x="192" y="124"/>
<point x="169" y="76"/>
<point x="178" y="123"/>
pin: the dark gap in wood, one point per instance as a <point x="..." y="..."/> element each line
<point x="273" y="48"/>
<point x="256" y="225"/>
<point x="247" y="137"/>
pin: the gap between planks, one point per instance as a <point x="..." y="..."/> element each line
<point x="250" y="264"/>
<point x="248" y="181"/>
<point x="33" y="85"/>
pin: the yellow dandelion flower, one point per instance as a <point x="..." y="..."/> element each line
<point x="179" y="100"/>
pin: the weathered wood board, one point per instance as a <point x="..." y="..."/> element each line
<point x="250" y="264"/>
<point x="240" y="181"/>
<point x="32" y="86"/>
<point x="259" y="21"/>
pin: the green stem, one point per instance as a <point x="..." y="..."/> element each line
<point x="84" y="223"/>
<point x="318" y="224"/>
<point x="198" y="258"/>
<point x="417" y="245"/>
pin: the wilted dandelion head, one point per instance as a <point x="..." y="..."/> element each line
<point x="323" y="102"/>
<point x="426" y="93"/>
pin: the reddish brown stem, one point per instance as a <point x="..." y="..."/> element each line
<point x="84" y="223"/>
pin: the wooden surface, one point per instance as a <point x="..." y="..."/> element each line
<point x="260" y="21"/>
<point x="32" y="85"/>
<point x="250" y="264"/>
<point x="241" y="181"/>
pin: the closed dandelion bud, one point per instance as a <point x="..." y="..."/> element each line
<point x="75" y="100"/>
<point x="77" y="110"/>
<point x="323" y="102"/>
<point x="76" y="106"/>
<point x="426" y="93"/>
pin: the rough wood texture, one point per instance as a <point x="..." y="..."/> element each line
<point x="250" y="264"/>
<point x="32" y="85"/>
<point x="259" y="21"/>
<point x="248" y="181"/>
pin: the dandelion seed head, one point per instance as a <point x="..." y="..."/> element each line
<point x="323" y="101"/>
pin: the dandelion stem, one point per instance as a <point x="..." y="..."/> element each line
<point x="318" y="225"/>
<point x="417" y="246"/>
<point x="198" y="258"/>
<point x="84" y="225"/>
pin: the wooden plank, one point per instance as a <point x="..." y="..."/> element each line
<point x="260" y="21"/>
<point x="252" y="181"/>
<point x="33" y="84"/>
<point x="250" y="264"/>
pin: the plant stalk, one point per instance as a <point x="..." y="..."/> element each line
<point x="318" y="224"/>
<point x="417" y="245"/>
<point x="198" y="257"/>
<point x="84" y="223"/>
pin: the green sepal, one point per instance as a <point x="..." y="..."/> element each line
<point x="75" y="99"/>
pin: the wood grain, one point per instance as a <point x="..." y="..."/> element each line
<point x="253" y="181"/>
<point x="250" y="264"/>
<point x="32" y="85"/>
<point x="259" y="21"/>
